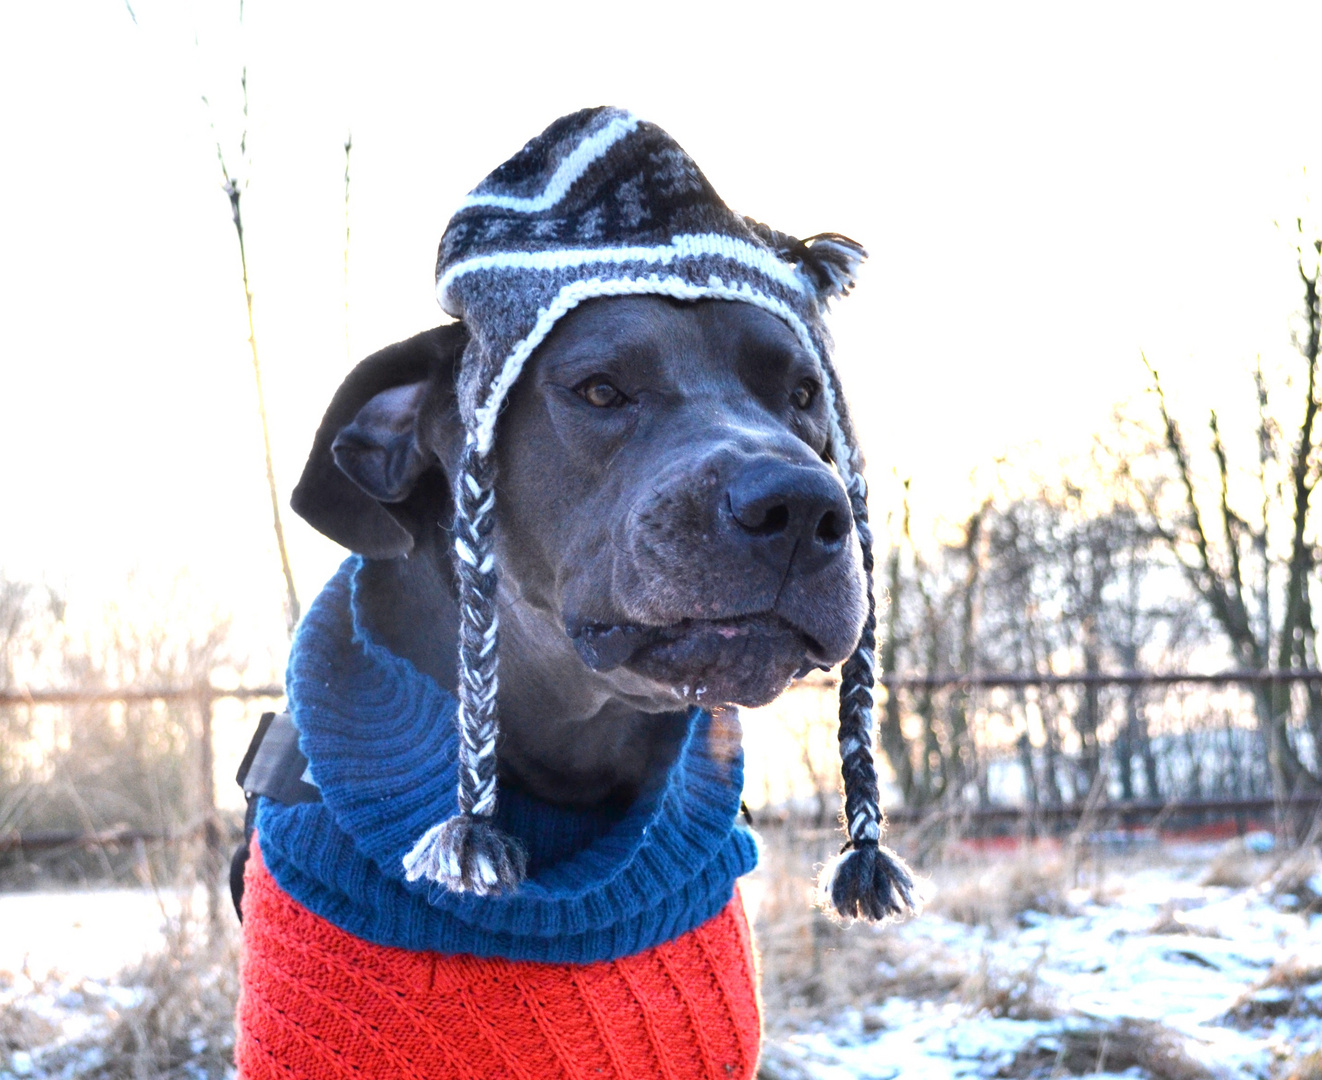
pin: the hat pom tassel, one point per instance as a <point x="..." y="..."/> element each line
<point x="870" y="882"/>
<point x="830" y="262"/>
<point x="827" y="263"/>
<point x="468" y="853"/>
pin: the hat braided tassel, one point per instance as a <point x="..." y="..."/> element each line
<point x="468" y="853"/>
<point x="866" y="880"/>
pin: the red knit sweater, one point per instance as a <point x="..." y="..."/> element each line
<point x="318" y="1003"/>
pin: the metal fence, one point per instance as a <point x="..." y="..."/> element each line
<point x="980" y="812"/>
<point x="1118" y="749"/>
<point x="207" y="826"/>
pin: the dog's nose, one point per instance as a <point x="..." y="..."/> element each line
<point x="791" y="511"/>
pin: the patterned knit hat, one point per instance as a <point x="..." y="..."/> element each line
<point x="605" y="204"/>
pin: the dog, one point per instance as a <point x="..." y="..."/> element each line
<point x="674" y="534"/>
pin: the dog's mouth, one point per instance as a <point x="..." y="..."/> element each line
<point x="746" y="660"/>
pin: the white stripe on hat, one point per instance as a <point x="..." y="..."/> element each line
<point x="683" y="246"/>
<point x="573" y="294"/>
<point x="573" y="166"/>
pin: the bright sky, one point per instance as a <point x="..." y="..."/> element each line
<point x="1045" y="190"/>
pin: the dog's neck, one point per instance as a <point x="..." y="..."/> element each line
<point x="563" y="738"/>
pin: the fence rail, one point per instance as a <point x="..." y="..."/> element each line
<point x="994" y="681"/>
<point x="1125" y="815"/>
<point x="210" y="829"/>
<point x="139" y="695"/>
<point x="44" y="840"/>
<point x="975" y="681"/>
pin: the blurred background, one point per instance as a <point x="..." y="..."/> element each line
<point x="1083" y="360"/>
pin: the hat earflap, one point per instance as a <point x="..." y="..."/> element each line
<point x="866" y="880"/>
<point x="827" y="262"/>
<point x="468" y="853"/>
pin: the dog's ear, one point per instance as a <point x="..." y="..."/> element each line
<point x="366" y="458"/>
<point x="379" y="450"/>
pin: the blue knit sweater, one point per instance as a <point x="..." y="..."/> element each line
<point x="381" y="741"/>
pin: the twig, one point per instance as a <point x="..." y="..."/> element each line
<point x="1230" y="522"/>
<point x="234" y="190"/>
<point x="348" y="145"/>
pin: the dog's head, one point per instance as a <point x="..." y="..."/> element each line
<point x="669" y="526"/>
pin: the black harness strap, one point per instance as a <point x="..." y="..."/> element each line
<point x="275" y="767"/>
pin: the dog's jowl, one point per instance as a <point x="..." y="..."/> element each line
<point x="497" y="833"/>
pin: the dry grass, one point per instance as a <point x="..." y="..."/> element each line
<point x="1295" y="884"/>
<point x="1010" y="994"/>
<point x="1000" y="894"/>
<point x="777" y="1063"/>
<point x="23" y="1029"/>
<point x="184" y="1026"/>
<point x="812" y="965"/>
<point x="1233" y="867"/>
<point x="181" y="1027"/>
<point x="185" y="1023"/>
<point x="1152" y="1048"/>
<point x="1308" y="1067"/>
<point x="1290" y="989"/>
<point x="1292" y="880"/>
<point x="1170" y="920"/>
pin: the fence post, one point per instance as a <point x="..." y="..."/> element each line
<point x="211" y="838"/>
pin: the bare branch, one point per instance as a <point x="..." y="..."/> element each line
<point x="1267" y="455"/>
<point x="234" y="192"/>
<point x="1231" y="523"/>
<point x="1203" y="576"/>
<point x="348" y="145"/>
<point x="1302" y="482"/>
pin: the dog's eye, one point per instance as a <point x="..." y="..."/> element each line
<point x="600" y="392"/>
<point x="805" y="393"/>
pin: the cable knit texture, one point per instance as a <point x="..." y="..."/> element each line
<point x="381" y="742"/>
<point x="320" y="1003"/>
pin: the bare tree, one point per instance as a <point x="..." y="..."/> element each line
<point x="1068" y="577"/>
<point x="1257" y="587"/>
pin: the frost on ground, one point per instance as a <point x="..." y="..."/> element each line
<point x="1176" y="963"/>
<point x="115" y="983"/>
<point x="1170" y="965"/>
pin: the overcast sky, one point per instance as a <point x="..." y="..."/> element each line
<point x="1045" y="190"/>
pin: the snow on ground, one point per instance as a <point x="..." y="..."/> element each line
<point x="91" y="933"/>
<point x="1161" y="957"/>
<point x="70" y="966"/>
<point x="1202" y="973"/>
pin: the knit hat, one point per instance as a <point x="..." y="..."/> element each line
<point x="604" y="204"/>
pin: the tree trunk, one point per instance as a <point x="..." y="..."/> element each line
<point x="893" y="743"/>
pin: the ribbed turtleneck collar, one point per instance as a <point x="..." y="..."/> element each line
<point x="382" y="743"/>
